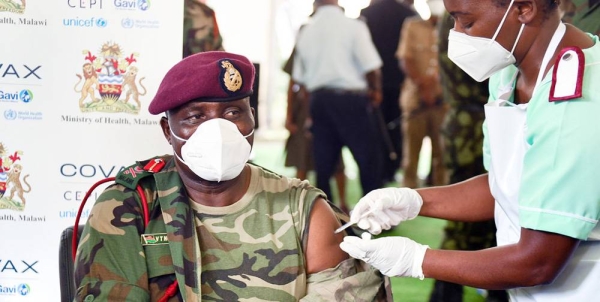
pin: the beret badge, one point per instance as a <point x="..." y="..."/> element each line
<point x="231" y="77"/>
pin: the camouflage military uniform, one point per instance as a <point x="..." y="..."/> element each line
<point x="463" y="139"/>
<point x="251" y="250"/>
<point x="200" y="29"/>
<point x="585" y="14"/>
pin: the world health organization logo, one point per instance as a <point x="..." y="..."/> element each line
<point x="25" y="96"/>
<point x="10" y="114"/>
<point x="127" y="23"/>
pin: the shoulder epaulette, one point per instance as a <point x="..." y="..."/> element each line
<point x="567" y="76"/>
<point x="131" y="176"/>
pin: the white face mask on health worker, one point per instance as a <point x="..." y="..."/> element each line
<point x="481" y="57"/>
<point x="216" y="151"/>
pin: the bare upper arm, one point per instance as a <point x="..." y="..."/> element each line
<point x="322" y="249"/>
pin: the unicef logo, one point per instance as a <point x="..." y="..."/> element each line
<point x="127" y="23"/>
<point x="10" y="114"/>
<point x="101" y="22"/>
<point x="26" y="96"/>
<point x="143" y="5"/>
<point x="23" y="289"/>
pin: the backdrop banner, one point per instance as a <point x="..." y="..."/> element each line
<point x="76" y="78"/>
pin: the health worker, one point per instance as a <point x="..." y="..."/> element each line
<point x="542" y="154"/>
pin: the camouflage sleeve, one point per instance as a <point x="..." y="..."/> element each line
<point x="351" y="280"/>
<point x="110" y="263"/>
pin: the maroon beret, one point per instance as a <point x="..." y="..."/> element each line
<point x="212" y="76"/>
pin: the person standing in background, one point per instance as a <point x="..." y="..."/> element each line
<point x="422" y="108"/>
<point x="463" y="157"/>
<point x="299" y="146"/>
<point x="200" y="28"/>
<point x="338" y="64"/>
<point x="384" y="19"/>
<point x="585" y="14"/>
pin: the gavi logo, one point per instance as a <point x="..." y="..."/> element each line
<point x="22" y="289"/>
<point x="142" y="5"/>
<point x="25" y="96"/>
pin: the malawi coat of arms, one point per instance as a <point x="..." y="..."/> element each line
<point x="13" y="6"/>
<point x="109" y="81"/>
<point x="12" y="191"/>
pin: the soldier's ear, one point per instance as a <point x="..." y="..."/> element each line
<point x="164" y="124"/>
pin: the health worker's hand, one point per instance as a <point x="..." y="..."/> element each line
<point x="386" y="208"/>
<point x="393" y="256"/>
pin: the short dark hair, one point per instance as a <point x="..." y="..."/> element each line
<point x="550" y="4"/>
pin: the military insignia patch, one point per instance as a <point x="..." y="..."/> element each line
<point x="154" y="239"/>
<point x="130" y="176"/>
<point x="154" y="165"/>
<point x="231" y="78"/>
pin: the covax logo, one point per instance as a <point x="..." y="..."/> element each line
<point x="9" y="266"/>
<point x="19" y="71"/>
<point x="89" y="170"/>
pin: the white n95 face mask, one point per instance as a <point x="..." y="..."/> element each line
<point x="217" y="151"/>
<point x="481" y="57"/>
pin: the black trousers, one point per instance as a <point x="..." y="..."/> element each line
<point x="344" y="118"/>
<point x="390" y="109"/>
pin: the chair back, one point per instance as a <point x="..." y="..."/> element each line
<point x="65" y="262"/>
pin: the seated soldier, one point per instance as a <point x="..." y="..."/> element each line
<point x="219" y="229"/>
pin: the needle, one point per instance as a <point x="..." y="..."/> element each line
<point x="350" y="223"/>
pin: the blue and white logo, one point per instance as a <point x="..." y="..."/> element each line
<point x="91" y="22"/>
<point x="26" y="96"/>
<point x="127" y="23"/>
<point x="101" y="22"/>
<point x="10" y="114"/>
<point x="9" y="97"/>
<point x="140" y="23"/>
<point x="24" y="289"/>
<point x="143" y="5"/>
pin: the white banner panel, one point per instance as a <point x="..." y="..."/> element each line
<point x="76" y="78"/>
